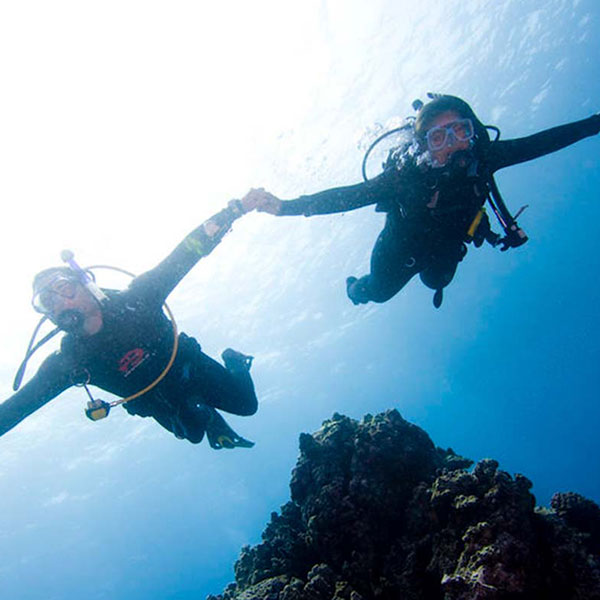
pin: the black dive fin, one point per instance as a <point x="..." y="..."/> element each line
<point x="220" y="435"/>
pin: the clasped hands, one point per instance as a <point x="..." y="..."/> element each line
<point x="261" y="200"/>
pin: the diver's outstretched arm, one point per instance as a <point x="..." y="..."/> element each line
<point x="46" y="384"/>
<point x="161" y="280"/>
<point x="331" y="201"/>
<point x="505" y="153"/>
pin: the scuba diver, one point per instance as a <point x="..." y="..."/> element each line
<point x="433" y="190"/>
<point x="123" y="343"/>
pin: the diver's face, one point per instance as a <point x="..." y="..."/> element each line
<point x="66" y="302"/>
<point x="455" y="131"/>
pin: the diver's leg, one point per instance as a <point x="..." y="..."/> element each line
<point x="442" y="267"/>
<point x="170" y="423"/>
<point x="394" y="262"/>
<point x="179" y="408"/>
<point x="197" y="419"/>
<point x="439" y="274"/>
<point x="193" y="417"/>
<point x="165" y="412"/>
<point x="231" y="390"/>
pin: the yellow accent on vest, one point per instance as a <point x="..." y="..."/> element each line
<point x="475" y="224"/>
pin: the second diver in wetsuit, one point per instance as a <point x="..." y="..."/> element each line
<point x="120" y="341"/>
<point x="433" y="197"/>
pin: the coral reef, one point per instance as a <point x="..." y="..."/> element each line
<point x="378" y="512"/>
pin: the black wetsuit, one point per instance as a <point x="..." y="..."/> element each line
<point x="429" y="211"/>
<point x="133" y="347"/>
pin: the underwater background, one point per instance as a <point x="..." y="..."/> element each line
<point x="126" y="124"/>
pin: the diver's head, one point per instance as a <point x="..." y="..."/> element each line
<point x="446" y="125"/>
<point x="60" y="294"/>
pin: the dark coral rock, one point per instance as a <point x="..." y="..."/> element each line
<point x="377" y="512"/>
<point x="580" y="513"/>
<point x="284" y="550"/>
<point x="453" y="461"/>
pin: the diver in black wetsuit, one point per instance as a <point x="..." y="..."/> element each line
<point x="121" y="341"/>
<point x="433" y="195"/>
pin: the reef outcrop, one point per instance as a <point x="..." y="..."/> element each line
<point x="378" y="512"/>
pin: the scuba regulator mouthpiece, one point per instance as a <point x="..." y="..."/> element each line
<point x="69" y="320"/>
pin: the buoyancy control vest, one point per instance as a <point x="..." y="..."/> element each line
<point x="466" y="179"/>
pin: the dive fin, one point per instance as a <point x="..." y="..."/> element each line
<point x="221" y="435"/>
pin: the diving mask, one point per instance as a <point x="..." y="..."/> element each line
<point x="59" y="286"/>
<point x="460" y="130"/>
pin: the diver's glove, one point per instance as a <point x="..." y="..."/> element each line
<point x="220" y="435"/>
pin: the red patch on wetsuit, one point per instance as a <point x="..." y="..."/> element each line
<point x="133" y="359"/>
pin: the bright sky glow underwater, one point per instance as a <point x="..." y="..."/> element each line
<point x="126" y="124"/>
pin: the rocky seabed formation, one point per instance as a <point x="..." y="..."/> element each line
<point x="377" y="512"/>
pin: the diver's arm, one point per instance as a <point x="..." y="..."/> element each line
<point x="327" y="202"/>
<point x="45" y="385"/>
<point x="161" y="280"/>
<point x="334" y="200"/>
<point x="511" y="152"/>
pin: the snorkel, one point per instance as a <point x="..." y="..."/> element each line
<point x="54" y="283"/>
<point x="86" y="279"/>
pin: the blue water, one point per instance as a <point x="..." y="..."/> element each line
<point x="507" y="368"/>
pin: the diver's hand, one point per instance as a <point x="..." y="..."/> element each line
<point x="263" y="201"/>
<point x="248" y="203"/>
<point x="241" y="207"/>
